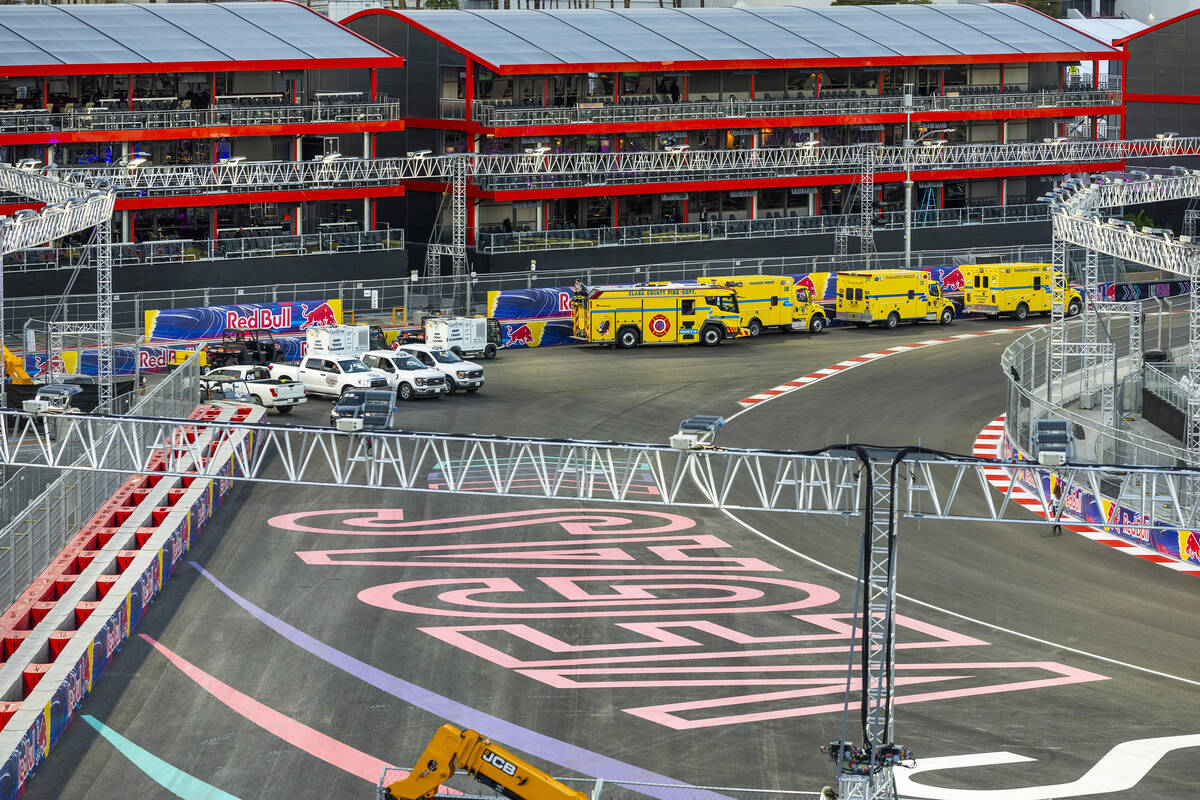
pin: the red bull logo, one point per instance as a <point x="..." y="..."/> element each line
<point x="807" y="283"/>
<point x="1190" y="547"/>
<point x="953" y="280"/>
<point x="519" y="335"/>
<point x="262" y="319"/>
<point x="152" y="359"/>
<point x="320" y="317"/>
<point x="43" y="366"/>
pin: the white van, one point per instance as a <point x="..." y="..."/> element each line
<point x="409" y="377"/>
<point x="460" y="374"/>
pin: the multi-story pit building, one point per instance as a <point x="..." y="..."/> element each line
<point x="527" y="81"/>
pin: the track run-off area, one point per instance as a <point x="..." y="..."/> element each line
<point x="318" y="634"/>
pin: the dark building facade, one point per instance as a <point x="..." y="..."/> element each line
<point x="1162" y="80"/>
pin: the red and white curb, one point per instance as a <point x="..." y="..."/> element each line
<point x="866" y="358"/>
<point x="989" y="444"/>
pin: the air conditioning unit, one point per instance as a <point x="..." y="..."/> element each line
<point x="350" y="424"/>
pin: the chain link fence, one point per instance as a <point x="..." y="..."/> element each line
<point x="37" y="529"/>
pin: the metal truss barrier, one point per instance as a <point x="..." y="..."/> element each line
<point x="1077" y="220"/>
<point x="939" y="485"/>
<point x="618" y="167"/>
<point x="71" y="208"/>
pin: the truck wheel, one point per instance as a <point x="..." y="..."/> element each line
<point x="947" y="316"/>
<point x="405" y="392"/>
<point x="451" y="386"/>
<point x="284" y="409"/>
<point x="817" y="325"/>
<point x="1021" y="313"/>
<point x="1073" y="308"/>
<point x="489" y="351"/>
<point x="256" y="400"/>
<point x="628" y="337"/>
<point x="754" y="328"/>
<point x="893" y="319"/>
<point x="457" y="351"/>
<point x="711" y="336"/>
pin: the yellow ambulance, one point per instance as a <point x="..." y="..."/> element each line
<point x="1014" y="289"/>
<point x="771" y="301"/>
<point x="665" y="313"/>
<point x="891" y="296"/>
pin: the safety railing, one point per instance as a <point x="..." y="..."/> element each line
<point x="651" y="108"/>
<point x="1025" y="364"/>
<point x="176" y="251"/>
<point x="102" y="119"/>
<point x="675" y="233"/>
<point x="34" y="534"/>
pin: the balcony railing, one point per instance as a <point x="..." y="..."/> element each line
<point x="628" y="235"/>
<point x="177" y="251"/>
<point x="650" y="108"/>
<point x="100" y="119"/>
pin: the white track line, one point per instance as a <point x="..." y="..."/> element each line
<point x="964" y="617"/>
<point x="858" y="361"/>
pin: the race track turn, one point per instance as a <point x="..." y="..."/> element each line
<point x="323" y="633"/>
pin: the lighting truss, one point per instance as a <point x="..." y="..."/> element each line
<point x="72" y="208"/>
<point x="941" y="486"/>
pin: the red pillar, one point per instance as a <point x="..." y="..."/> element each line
<point x="374" y="84"/>
<point x="468" y="89"/>
<point x="1124" y="64"/>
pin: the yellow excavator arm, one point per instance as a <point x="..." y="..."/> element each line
<point x="14" y="368"/>
<point x="452" y="750"/>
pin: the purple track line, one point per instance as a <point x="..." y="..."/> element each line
<point x="510" y="734"/>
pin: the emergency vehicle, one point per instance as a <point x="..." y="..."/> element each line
<point x="771" y="301"/>
<point x="1015" y="289"/>
<point x="626" y="316"/>
<point x="890" y="296"/>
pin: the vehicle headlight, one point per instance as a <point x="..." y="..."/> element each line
<point x="462" y="373"/>
<point x="421" y="381"/>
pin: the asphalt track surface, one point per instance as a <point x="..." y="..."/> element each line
<point x="273" y="671"/>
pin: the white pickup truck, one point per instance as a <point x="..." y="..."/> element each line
<point x="330" y="375"/>
<point x="262" y="388"/>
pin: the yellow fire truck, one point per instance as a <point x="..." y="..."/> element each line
<point x="771" y="301"/>
<point x="626" y="316"/>
<point x="890" y="296"/>
<point x="1014" y="289"/>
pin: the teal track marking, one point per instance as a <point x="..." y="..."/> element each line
<point x="174" y="780"/>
